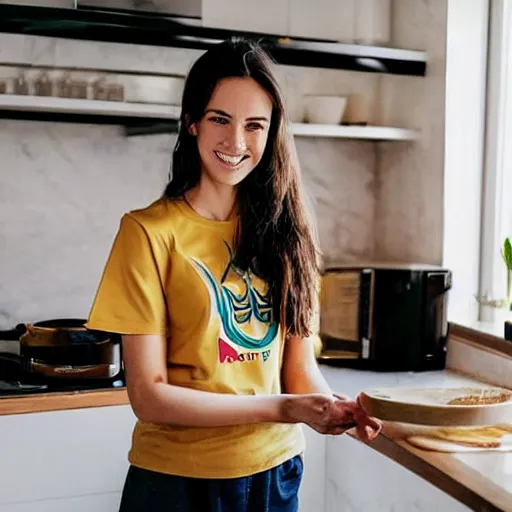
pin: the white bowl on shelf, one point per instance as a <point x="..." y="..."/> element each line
<point x="324" y="109"/>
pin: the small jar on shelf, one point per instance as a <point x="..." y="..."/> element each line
<point x="21" y="85"/>
<point x="43" y="86"/>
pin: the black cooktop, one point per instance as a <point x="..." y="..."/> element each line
<point x="15" y="381"/>
<point x="10" y="387"/>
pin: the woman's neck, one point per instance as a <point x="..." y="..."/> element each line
<point x="213" y="201"/>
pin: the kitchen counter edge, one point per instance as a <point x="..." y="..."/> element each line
<point x="59" y="401"/>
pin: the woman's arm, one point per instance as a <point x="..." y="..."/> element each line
<point x="155" y="401"/>
<point x="300" y="372"/>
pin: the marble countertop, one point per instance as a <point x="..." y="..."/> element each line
<point x="352" y="382"/>
<point x="482" y="480"/>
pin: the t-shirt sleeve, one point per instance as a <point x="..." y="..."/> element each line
<point x="130" y="298"/>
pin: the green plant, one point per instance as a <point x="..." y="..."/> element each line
<point x="506" y="253"/>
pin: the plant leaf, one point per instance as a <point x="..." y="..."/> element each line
<point x="506" y="253"/>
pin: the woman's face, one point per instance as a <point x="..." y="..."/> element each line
<point x="232" y="134"/>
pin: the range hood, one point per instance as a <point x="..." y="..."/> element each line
<point x="178" y="8"/>
<point x="169" y="23"/>
<point x="143" y="23"/>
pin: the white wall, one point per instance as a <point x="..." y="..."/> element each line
<point x="409" y="207"/>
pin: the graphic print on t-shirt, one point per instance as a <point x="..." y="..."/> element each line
<point x="247" y="328"/>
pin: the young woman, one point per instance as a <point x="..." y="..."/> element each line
<point x="213" y="288"/>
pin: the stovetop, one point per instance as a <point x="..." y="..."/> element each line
<point x="15" y="381"/>
<point x="12" y="387"/>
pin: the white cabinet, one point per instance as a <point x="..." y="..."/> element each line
<point x="322" y="19"/>
<point x="77" y="460"/>
<point x="269" y="16"/>
<point x="348" y="21"/>
<point x="64" y="460"/>
<point x="373" y="22"/>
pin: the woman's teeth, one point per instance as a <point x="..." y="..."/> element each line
<point x="231" y="160"/>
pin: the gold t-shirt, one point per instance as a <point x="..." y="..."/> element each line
<point x="170" y="272"/>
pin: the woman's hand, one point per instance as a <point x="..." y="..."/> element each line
<point x="367" y="428"/>
<point x="319" y="411"/>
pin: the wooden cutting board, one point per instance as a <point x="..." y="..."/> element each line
<point x="462" y="406"/>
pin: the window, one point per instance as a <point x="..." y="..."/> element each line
<point x="497" y="179"/>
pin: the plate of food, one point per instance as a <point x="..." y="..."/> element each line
<point x="458" y="406"/>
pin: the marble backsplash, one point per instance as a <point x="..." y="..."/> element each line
<point x="409" y="200"/>
<point x="64" y="187"/>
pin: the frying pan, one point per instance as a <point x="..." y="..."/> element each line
<point x="64" y="349"/>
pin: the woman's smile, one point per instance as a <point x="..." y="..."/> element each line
<point x="232" y="161"/>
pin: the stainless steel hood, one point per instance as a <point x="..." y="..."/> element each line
<point x="175" y="23"/>
<point x="179" y="8"/>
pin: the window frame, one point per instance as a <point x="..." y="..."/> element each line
<point x="496" y="222"/>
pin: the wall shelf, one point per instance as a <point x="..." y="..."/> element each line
<point x="157" y="30"/>
<point x="353" y="132"/>
<point x="150" y="119"/>
<point x="47" y="104"/>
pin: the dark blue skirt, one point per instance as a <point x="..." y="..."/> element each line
<point x="275" y="490"/>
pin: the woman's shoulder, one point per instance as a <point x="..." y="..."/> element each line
<point x="161" y="212"/>
<point x="158" y="217"/>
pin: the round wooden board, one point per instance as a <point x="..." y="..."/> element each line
<point x="431" y="406"/>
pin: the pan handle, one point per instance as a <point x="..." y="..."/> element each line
<point x="99" y="371"/>
<point x="11" y="335"/>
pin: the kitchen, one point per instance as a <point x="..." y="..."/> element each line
<point x="64" y="187"/>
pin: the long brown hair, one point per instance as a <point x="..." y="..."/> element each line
<point x="275" y="238"/>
